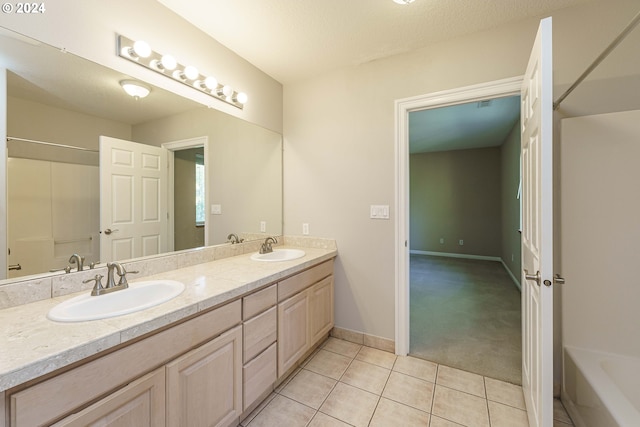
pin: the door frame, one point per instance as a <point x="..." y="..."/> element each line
<point x="494" y="89"/>
<point x="185" y="144"/>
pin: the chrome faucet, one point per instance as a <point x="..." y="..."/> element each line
<point x="233" y="238"/>
<point x="265" y="248"/>
<point x="78" y="260"/>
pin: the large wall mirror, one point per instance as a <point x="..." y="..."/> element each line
<point x="59" y="106"/>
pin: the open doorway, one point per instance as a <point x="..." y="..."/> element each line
<point x="464" y="236"/>
<point x="187" y="205"/>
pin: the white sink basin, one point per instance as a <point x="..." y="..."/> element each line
<point x="279" y="255"/>
<point x="138" y="296"/>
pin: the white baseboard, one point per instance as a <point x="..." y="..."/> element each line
<point x="467" y="256"/>
<point x="450" y="255"/>
<point x="515" y="280"/>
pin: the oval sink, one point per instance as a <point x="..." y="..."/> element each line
<point x="138" y="296"/>
<point x="279" y="255"/>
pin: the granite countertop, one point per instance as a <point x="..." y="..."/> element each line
<point x="32" y="345"/>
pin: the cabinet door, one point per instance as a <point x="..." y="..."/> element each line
<point x="320" y="309"/>
<point x="293" y="335"/>
<point x="141" y="403"/>
<point x="204" y="387"/>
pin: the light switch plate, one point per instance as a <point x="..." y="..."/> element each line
<point x="216" y="209"/>
<point x="379" y="212"/>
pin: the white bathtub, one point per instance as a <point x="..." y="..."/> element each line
<point x="601" y="389"/>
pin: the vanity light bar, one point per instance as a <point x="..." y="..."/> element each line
<point x="140" y="53"/>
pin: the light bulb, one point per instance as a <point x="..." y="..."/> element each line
<point x="242" y="98"/>
<point x="211" y="83"/>
<point x="168" y="62"/>
<point x="227" y="91"/>
<point x="191" y="72"/>
<point x="142" y="49"/>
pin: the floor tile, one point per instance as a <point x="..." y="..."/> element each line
<point x="283" y="412"/>
<point x="461" y="380"/>
<point x="342" y="347"/>
<point x="256" y="411"/>
<point x="284" y="383"/>
<point x="460" y="407"/>
<point x="324" y="420"/>
<point x="376" y="357"/>
<point x="507" y="416"/>
<point x="390" y="413"/>
<point x="505" y="393"/>
<point x="350" y="404"/>
<point x="409" y="391"/>
<point x="415" y="367"/>
<point x="366" y="376"/>
<point x="309" y="388"/>
<point x="441" y="422"/>
<point x="328" y="364"/>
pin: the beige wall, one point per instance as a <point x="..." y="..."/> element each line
<point x="32" y="120"/>
<point x="339" y="140"/>
<point x="600" y="233"/>
<point x="89" y="28"/>
<point x="510" y="180"/>
<point x="455" y="195"/>
<point x="245" y="168"/>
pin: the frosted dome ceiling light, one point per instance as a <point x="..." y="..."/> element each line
<point x="134" y="88"/>
<point x="403" y="1"/>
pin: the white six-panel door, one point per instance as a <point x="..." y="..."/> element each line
<point x="133" y="199"/>
<point x="537" y="231"/>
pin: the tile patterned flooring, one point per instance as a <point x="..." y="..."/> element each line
<point x="347" y="384"/>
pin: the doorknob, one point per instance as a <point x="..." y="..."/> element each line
<point x="534" y="277"/>
<point x="109" y="231"/>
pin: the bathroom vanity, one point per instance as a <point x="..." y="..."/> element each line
<point x="208" y="357"/>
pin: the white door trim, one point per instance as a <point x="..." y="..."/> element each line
<point x="494" y="89"/>
<point x="183" y="144"/>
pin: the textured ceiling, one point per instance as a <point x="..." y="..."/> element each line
<point x="296" y="39"/>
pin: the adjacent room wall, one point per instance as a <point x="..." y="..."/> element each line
<point x="511" y="249"/>
<point x="455" y="195"/>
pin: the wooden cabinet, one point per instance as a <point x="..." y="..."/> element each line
<point x="140" y="404"/>
<point x="204" y="386"/>
<point x="306" y="315"/>
<point x="293" y="333"/>
<point x="321" y="309"/>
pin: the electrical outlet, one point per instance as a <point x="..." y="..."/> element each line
<point x="461" y="242"/>
<point x="305" y="229"/>
<point x="263" y="226"/>
<point x="442" y="240"/>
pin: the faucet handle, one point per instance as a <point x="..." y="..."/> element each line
<point x="97" y="288"/>
<point x="123" y="277"/>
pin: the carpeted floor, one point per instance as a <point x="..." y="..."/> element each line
<point x="466" y="314"/>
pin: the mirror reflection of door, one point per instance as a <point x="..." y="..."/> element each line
<point x="133" y="199"/>
<point x="189" y="203"/>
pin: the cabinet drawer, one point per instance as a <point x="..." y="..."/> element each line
<point x="299" y="282"/>
<point x="259" y="375"/>
<point x="259" y="333"/>
<point x="259" y="301"/>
